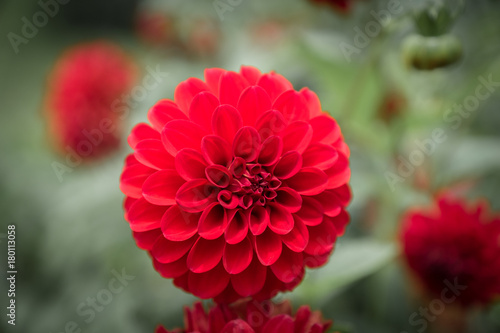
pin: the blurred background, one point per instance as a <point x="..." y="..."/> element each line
<point x="387" y="92"/>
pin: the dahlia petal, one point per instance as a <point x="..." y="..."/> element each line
<point x="339" y="173"/>
<point x="213" y="222"/>
<point x="132" y="179"/>
<point x="144" y="216"/>
<point x="190" y="164"/>
<point x="218" y="175"/>
<point x="237" y="326"/>
<point x="216" y="150"/>
<point x="246" y="143"/>
<point x="297" y="239"/>
<point x="212" y="78"/>
<point x="237" y="257"/>
<point x="161" y="187"/>
<point x="268" y="247"/>
<point x="205" y="254"/>
<point x="195" y="195"/>
<point x="145" y="240"/>
<point x="270" y="123"/>
<point x="342" y="147"/>
<point x="130" y="160"/>
<point x="280" y="323"/>
<point x="343" y="193"/>
<point x="274" y="84"/>
<point x="325" y="129"/>
<point x="297" y="136"/>
<point x="251" y="280"/>
<point x="320" y="156"/>
<point x="208" y="284"/>
<point x="173" y="269"/>
<point x="227" y="199"/>
<point x="289" y="198"/>
<point x="166" y="251"/>
<point x="219" y="315"/>
<point x="330" y="202"/>
<point x="202" y="108"/>
<point x="288" y="165"/>
<point x="226" y="121"/>
<point x="238" y="167"/>
<point x="231" y="86"/>
<point x="237" y="228"/>
<point x="313" y="103"/>
<point x="163" y="112"/>
<point x="271" y="150"/>
<point x="289" y="266"/>
<point x="251" y="74"/>
<point x="311" y="212"/>
<point x="151" y="153"/>
<point x="253" y="102"/>
<point x="259" y="220"/>
<point x="281" y="220"/>
<point x="314" y="261"/>
<point x="321" y="239"/>
<point x="292" y="105"/>
<point x="185" y="92"/>
<point x="308" y="181"/>
<point x="177" y="225"/>
<point x="141" y="132"/>
<point x="340" y="222"/>
<point x="179" y="134"/>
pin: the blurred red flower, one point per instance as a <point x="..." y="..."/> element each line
<point x="237" y="185"/>
<point x="455" y="244"/>
<point x="251" y="317"/>
<point x="340" y="5"/>
<point x="83" y="88"/>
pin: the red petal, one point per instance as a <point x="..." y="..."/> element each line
<point x="297" y="136"/>
<point x="144" y="216"/>
<point x="177" y="225"/>
<point x="314" y="261"/>
<point x="253" y="102"/>
<point x="232" y="85"/>
<point x="237" y="326"/>
<point x="340" y="173"/>
<point x="268" y="247"/>
<point x="185" y="92"/>
<point x="251" y="280"/>
<point x="289" y="266"/>
<point x="237" y="257"/>
<point x="308" y="181"/>
<point x="190" y="164"/>
<point x="281" y="220"/>
<point x="321" y="239"/>
<point x="340" y="222"/>
<point x="171" y="270"/>
<point x="313" y="103"/>
<point x="297" y="239"/>
<point x="280" y="323"/>
<point x="202" y="108"/>
<point x="325" y="129"/>
<point x="160" y="188"/>
<point x="208" y="284"/>
<point x="145" y="240"/>
<point x="246" y="144"/>
<point x="226" y="121"/>
<point x="179" y="134"/>
<point x="259" y="220"/>
<point x="212" y="78"/>
<point x="270" y="123"/>
<point x="311" y="212"/>
<point x="250" y="73"/>
<point x="330" y="202"/>
<point x="163" y="112"/>
<point x="216" y="150"/>
<point x="292" y="105"/>
<point x="196" y="195"/>
<point x="289" y="165"/>
<point x="166" y="251"/>
<point x="218" y="175"/>
<point x="344" y="194"/>
<point x="205" y="255"/>
<point x="132" y="179"/>
<point x="237" y="229"/>
<point x="212" y="222"/>
<point x="274" y="84"/>
<point x="151" y="153"/>
<point x="289" y="198"/>
<point x="141" y="132"/>
<point x="320" y="156"/>
<point x="271" y="150"/>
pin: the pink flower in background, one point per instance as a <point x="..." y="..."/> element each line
<point x="83" y="89"/>
<point x="237" y="185"/>
<point x="250" y="317"/>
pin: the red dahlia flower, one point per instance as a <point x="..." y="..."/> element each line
<point x="83" y="99"/>
<point x="455" y="245"/>
<point x="238" y="185"/>
<point x="251" y="317"/>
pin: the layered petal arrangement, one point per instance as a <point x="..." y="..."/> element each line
<point x="250" y="317"/>
<point x="237" y="185"/>
<point x="84" y="103"/>
<point x="457" y="245"/>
